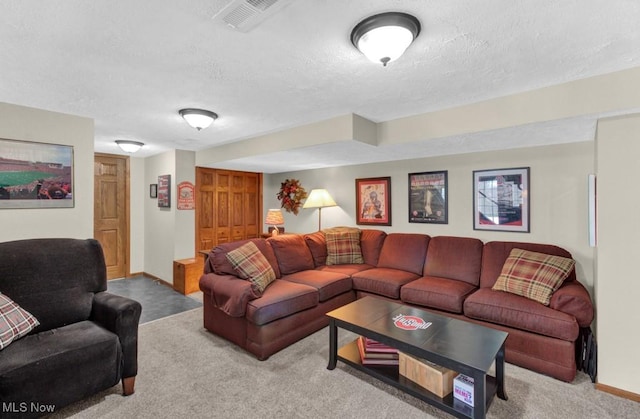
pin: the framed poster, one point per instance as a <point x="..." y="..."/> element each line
<point x="373" y="201"/>
<point x="501" y="200"/>
<point x="153" y="190"/>
<point x="35" y="175"/>
<point x="428" y="202"/>
<point x="164" y="191"/>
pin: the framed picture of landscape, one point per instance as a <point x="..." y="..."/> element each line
<point x="35" y="175"/>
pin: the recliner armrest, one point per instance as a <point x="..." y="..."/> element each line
<point x="573" y="298"/>
<point x="121" y="316"/>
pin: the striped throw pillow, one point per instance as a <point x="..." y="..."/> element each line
<point x="343" y="246"/>
<point x="252" y="265"/>
<point x="15" y="322"/>
<point x="533" y="275"/>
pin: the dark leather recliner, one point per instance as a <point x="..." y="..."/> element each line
<point x="87" y="340"/>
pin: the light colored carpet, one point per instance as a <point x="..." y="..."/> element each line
<point x="185" y="371"/>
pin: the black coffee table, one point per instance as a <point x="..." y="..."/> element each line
<point x="464" y="347"/>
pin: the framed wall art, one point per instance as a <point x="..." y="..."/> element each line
<point x="164" y="191"/>
<point x="501" y="200"/>
<point x="35" y="175"/>
<point x="186" y="196"/>
<point x="153" y="190"/>
<point x="428" y="201"/>
<point x="373" y="201"/>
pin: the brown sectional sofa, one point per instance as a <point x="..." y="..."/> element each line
<point x="452" y="276"/>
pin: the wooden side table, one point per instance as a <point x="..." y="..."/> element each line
<point x="187" y="273"/>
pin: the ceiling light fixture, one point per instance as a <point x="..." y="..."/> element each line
<point x="198" y="118"/>
<point x="384" y="38"/>
<point x="129" y="146"/>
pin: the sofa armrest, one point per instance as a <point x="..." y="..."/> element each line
<point x="121" y="316"/>
<point x="573" y="298"/>
<point x="229" y="293"/>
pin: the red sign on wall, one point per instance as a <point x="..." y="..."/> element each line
<point x="186" y="196"/>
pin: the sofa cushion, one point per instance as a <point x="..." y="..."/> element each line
<point x="53" y="279"/>
<point x="329" y="284"/>
<point x="371" y="242"/>
<point x="435" y="292"/>
<point x="252" y="265"/>
<point x="348" y="269"/>
<point x="520" y="313"/>
<point x="292" y="253"/>
<point x="318" y="247"/>
<point x="279" y="300"/>
<point x="533" y="275"/>
<point x="454" y="257"/>
<point x="15" y="322"/>
<point x="382" y="281"/>
<point x="495" y="253"/>
<point x="404" y="251"/>
<point x="218" y="263"/>
<point x="343" y="246"/>
<point x="57" y="365"/>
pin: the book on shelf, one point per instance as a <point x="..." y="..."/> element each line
<point x="375" y="346"/>
<point x="376" y="358"/>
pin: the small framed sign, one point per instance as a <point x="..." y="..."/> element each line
<point x="164" y="191"/>
<point x="153" y="190"/>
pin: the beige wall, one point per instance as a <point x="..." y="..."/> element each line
<point x="618" y="287"/>
<point x="558" y="196"/>
<point x="28" y="124"/>
<point x="169" y="234"/>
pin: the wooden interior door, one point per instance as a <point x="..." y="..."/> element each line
<point x="111" y="211"/>
<point x="228" y="206"/>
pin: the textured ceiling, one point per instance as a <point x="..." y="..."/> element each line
<point x="131" y="65"/>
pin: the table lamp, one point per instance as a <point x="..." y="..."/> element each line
<point x="274" y="219"/>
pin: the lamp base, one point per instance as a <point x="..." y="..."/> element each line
<point x="275" y="231"/>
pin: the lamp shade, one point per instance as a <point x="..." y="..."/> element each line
<point x="129" y="146"/>
<point x="274" y="217"/>
<point x="198" y="118"/>
<point x="319" y="198"/>
<point x="385" y="37"/>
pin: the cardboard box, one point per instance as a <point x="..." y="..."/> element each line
<point x="463" y="389"/>
<point x="436" y="379"/>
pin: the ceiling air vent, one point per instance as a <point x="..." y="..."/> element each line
<point x="244" y="15"/>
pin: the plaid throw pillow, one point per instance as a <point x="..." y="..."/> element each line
<point x="343" y="246"/>
<point x="252" y="265"/>
<point x="15" y="322"/>
<point x="533" y="275"/>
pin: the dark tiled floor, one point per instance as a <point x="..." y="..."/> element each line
<point x="158" y="300"/>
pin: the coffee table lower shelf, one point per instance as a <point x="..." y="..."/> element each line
<point x="389" y="374"/>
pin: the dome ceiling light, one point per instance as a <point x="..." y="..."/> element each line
<point x="198" y="118"/>
<point x="383" y="38"/>
<point x="129" y="146"/>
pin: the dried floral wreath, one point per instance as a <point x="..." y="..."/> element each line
<point x="291" y="194"/>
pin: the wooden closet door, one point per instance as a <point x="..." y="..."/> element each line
<point x="228" y="206"/>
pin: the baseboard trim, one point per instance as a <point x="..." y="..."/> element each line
<point x="160" y="280"/>
<point x="618" y="392"/>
